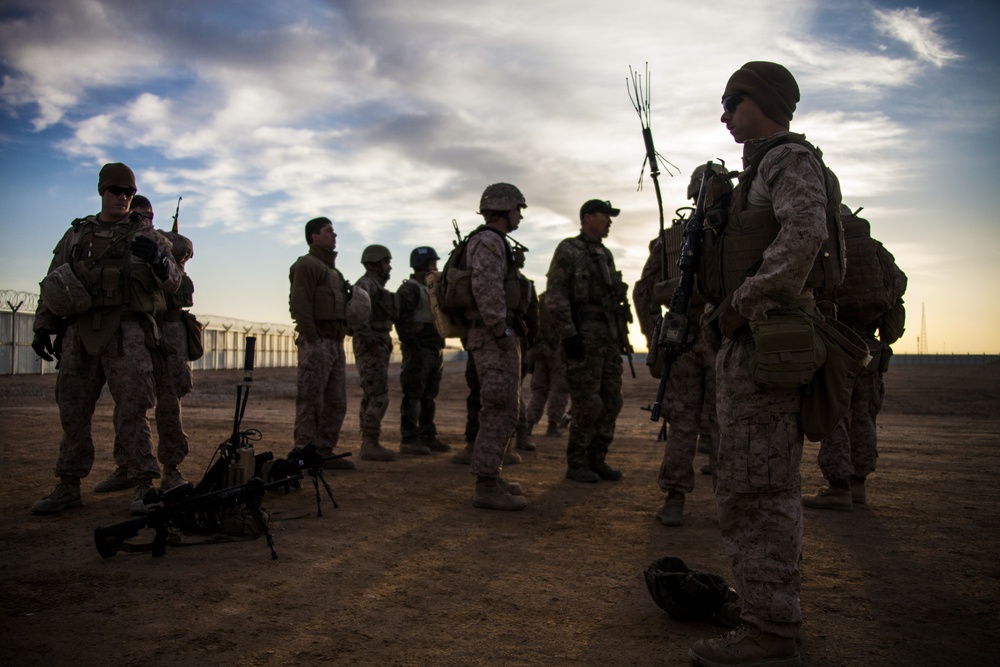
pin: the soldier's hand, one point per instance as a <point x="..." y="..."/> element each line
<point x="42" y="345"/>
<point x="574" y="347"/>
<point x="146" y="249"/>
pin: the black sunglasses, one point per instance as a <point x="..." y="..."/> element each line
<point x="118" y="190"/>
<point x="730" y="102"/>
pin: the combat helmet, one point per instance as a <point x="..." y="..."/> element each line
<point x="501" y="197"/>
<point x="421" y="256"/>
<point x="685" y="594"/>
<point x="694" y="185"/>
<point x="181" y="246"/>
<point x="374" y="254"/>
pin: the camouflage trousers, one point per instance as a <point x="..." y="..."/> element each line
<point x="852" y="448"/>
<point x="689" y="407"/>
<point x="321" y="392"/>
<point x="173" y="382"/>
<point x="595" y="387"/>
<point x="472" y="401"/>
<point x="371" y="356"/>
<point x="499" y="373"/>
<point x="420" y="379"/>
<point x="126" y="366"/>
<point x="759" y="490"/>
<point x="548" y="386"/>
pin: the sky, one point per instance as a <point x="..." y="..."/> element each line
<point x="391" y="117"/>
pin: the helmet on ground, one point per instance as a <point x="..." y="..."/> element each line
<point x="501" y="197"/>
<point x="374" y="254"/>
<point x="684" y="594"/>
<point x="422" y="255"/>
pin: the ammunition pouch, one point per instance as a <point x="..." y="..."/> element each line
<point x="195" y="343"/>
<point x="828" y="397"/>
<point x="787" y="351"/>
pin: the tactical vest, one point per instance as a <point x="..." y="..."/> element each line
<point x="330" y="298"/>
<point x="458" y="280"/>
<point x="384" y="310"/>
<point x="867" y="291"/>
<point x="734" y="252"/>
<point x="102" y="259"/>
<point x="422" y="313"/>
<point x="595" y="282"/>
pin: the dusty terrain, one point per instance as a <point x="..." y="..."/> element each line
<point x="406" y="572"/>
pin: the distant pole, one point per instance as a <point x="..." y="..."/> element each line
<point x="13" y="334"/>
<point x="922" y="340"/>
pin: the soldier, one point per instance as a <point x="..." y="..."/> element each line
<point x="690" y="397"/>
<point x="548" y="377"/>
<point x="581" y="297"/>
<point x="115" y="269"/>
<point x="785" y="204"/>
<point x="372" y="349"/>
<point x="173" y="374"/>
<point x="318" y="304"/>
<point x="526" y="337"/>
<point x="492" y="339"/>
<point x="869" y="301"/>
<point x="423" y="360"/>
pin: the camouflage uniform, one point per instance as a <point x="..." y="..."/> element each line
<point x="496" y="350"/>
<point x="760" y="446"/>
<point x="548" y="375"/>
<point x="689" y="402"/>
<point x="581" y="282"/>
<point x="174" y="381"/>
<point x="317" y="303"/>
<point x="423" y="363"/>
<point x="110" y="343"/>
<point x="372" y="350"/>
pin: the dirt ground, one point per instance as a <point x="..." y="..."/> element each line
<point x="407" y="572"/>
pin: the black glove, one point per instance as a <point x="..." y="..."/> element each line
<point x="574" y="347"/>
<point x="42" y="345"/>
<point x="146" y="249"/>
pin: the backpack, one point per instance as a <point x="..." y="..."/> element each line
<point x="450" y="291"/>
<point x="868" y="290"/>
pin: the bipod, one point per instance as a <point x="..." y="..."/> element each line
<point x="310" y="462"/>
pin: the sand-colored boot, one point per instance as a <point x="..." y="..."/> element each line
<point x="371" y="450"/>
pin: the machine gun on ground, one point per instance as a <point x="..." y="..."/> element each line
<point x="184" y="509"/>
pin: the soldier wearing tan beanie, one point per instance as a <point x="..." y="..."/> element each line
<point x="770" y="85"/>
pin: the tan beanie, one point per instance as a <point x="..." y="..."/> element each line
<point x="115" y="173"/>
<point x="770" y="85"/>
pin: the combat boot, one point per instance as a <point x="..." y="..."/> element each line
<point x="857" y="490"/>
<point x="522" y="439"/>
<point x="371" y="450"/>
<point x="414" y="447"/>
<point x="65" y="495"/>
<point x="138" y="506"/>
<point x="464" y="455"/>
<point x="513" y="488"/>
<point x="171" y="478"/>
<point x="116" y="481"/>
<point x="492" y="495"/>
<point x="671" y="512"/>
<point x="342" y="463"/>
<point x="511" y="457"/>
<point x="582" y="474"/>
<point x="553" y="431"/>
<point x="836" y="496"/>
<point x="436" y="445"/>
<point x="606" y="472"/>
<point x="746" y="645"/>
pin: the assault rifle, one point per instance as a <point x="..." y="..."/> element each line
<point x="176" y="213"/>
<point x="184" y="509"/>
<point x="673" y="326"/>
<point x="621" y="315"/>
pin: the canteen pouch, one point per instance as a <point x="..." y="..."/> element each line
<point x="195" y="344"/>
<point x="828" y="397"/>
<point x="787" y="351"/>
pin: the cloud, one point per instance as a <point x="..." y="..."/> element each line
<point x="918" y="32"/>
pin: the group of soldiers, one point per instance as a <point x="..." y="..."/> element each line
<point x="777" y="258"/>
